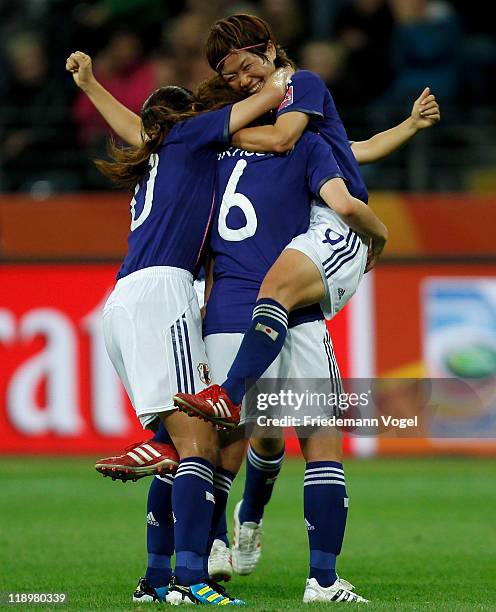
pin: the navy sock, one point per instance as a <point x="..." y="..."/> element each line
<point x="261" y="475"/>
<point x="159" y="531"/>
<point x="222" y="485"/>
<point x="326" y="507"/>
<point x="162" y="435"/>
<point x="193" y="505"/>
<point x="261" y="345"/>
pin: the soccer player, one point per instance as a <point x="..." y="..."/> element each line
<point x="151" y="320"/>
<point x="377" y="147"/>
<point x="312" y="269"/>
<point x="294" y="171"/>
<point x="242" y="49"/>
<point x="264" y="215"/>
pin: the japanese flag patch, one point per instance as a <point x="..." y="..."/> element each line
<point x="288" y="99"/>
<point x="272" y="333"/>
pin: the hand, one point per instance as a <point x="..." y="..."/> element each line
<point x="79" y="64"/>
<point x="376" y="247"/>
<point x="277" y="83"/>
<point x="281" y="77"/>
<point x="425" y="111"/>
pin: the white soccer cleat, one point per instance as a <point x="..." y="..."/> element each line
<point x="340" y="591"/>
<point x="219" y="562"/>
<point x="246" y="546"/>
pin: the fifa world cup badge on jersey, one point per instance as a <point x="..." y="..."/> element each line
<point x="288" y="98"/>
<point x="204" y="373"/>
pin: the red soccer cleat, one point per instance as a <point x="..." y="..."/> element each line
<point x="212" y="404"/>
<point x="142" y="459"/>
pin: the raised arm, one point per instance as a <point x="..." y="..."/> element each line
<point x="425" y="113"/>
<point x="357" y="215"/>
<point x="125" y="123"/>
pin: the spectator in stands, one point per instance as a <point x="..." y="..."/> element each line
<point x="145" y="16"/>
<point x="34" y="138"/>
<point x="328" y="60"/>
<point x="321" y="17"/>
<point x="425" y="43"/>
<point x="184" y="40"/>
<point x="286" y="20"/>
<point x="364" y="27"/>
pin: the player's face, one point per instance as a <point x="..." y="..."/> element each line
<point x="246" y="72"/>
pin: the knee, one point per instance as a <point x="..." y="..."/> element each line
<point x="199" y="450"/>
<point x="277" y="288"/>
<point x="232" y="454"/>
<point x="267" y="447"/>
<point x="200" y="446"/>
<point x="322" y="448"/>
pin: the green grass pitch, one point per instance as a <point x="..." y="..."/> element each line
<point x="421" y="535"/>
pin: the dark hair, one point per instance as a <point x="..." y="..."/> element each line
<point x="164" y="108"/>
<point x="214" y="93"/>
<point x="238" y="31"/>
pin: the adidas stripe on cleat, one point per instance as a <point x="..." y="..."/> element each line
<point x="141" y="459"/>
<point x="205" y="593"/>
<point x="212" y="404"/>
<point x="144" y="593"/>
<point x="339" y="592"/>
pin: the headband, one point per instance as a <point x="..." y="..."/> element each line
<point x="238" y="51"/>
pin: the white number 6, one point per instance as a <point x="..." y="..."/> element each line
<point x="231" y="199"/>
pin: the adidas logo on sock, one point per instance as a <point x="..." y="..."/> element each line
<point x="308" y="526"/>
<point x="151" y="520"/>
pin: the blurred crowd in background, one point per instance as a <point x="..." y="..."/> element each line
<point x="376" y="56"/>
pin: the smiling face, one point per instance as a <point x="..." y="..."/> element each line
<point x="247" y="72"/>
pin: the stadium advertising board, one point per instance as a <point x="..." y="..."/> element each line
<point x="59" y="392"/>
<point x="437" y="322"/>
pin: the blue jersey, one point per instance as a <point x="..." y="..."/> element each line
<point x="307" y="93"/>
<point x="265" y="204"/>
<point x="174" y="202"/>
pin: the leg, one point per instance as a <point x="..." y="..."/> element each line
<point x="162" y="435"/>
<point x="263" y="464"/>
<point x="232" y="452"/>
<point x="159" y="532"/>
<point x="325" y="503"/>
<point x="326" y="508"/>
<point x="221" y="349"/>
<point x="293" y="281"/>
<point x="192" y="494"/>
<point x="233" y="448"/>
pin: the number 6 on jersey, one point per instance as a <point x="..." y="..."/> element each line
<point x="230" y="199"/>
